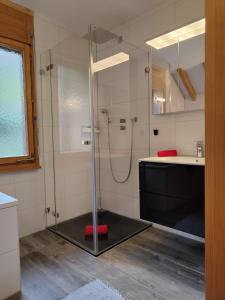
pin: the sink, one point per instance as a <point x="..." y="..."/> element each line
<point x="184" y="160"/>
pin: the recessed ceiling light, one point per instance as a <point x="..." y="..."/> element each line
<point x="110" y="61"/>
<point x="178" y="35"/>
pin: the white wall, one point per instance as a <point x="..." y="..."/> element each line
<point x="28" y="187"/>
<point x="178" y="131"/>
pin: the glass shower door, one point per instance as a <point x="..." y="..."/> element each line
<point x="120" y="97"/>
<point x="70" y="173"/>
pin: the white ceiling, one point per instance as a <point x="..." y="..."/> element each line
<point x="78" y="14"/>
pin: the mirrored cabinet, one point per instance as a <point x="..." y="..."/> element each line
<point x="178" y="70"/>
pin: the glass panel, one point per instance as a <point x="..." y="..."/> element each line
<point x="194" y="67"/>
<point x="13" y="135"/>
<point x="178" y="73"/>
<point x="73" y="107"/>
<point x="121" y="109"/>
<point x="166" y="94"/>
<point x="67" y="134"/>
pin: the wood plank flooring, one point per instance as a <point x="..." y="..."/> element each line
<point x="152" y="265"/>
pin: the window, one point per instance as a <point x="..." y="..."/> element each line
<point x="18" y="143"/>
<point x="73" y="96"/>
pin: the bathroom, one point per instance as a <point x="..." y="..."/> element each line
<point x="109" y="102"/>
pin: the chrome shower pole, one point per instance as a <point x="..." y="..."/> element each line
<point x="91" y="101"/>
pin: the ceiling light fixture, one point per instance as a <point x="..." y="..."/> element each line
<point x="178" y="35"/>
<point x="110" y="61"/>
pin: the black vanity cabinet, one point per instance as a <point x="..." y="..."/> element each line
<point x="173" y="195"/>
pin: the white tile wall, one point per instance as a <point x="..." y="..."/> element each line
<point x="121" y="204"/>
<point x="180" y="132"/>
<point x="166" y="138"/>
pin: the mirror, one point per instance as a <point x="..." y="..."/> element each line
<point x="178" y="73"/>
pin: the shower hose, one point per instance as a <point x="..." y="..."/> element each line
<point x="133" y="120"/>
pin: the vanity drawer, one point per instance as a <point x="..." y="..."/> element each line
<point x="153" y="177"/>
<point x="173" y="180"/>
<point x="8" y="229"/>
<point x="177" y="213"/>
<point x="164" y="210"/>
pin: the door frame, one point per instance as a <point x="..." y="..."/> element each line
<point x="215" y="149"/>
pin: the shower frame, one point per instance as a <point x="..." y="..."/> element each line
<point x="92" y="119"/>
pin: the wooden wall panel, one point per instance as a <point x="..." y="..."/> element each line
<point x="215" y="149"/>
<point x="16" y="23"/>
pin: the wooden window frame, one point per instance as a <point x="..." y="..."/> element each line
<point x="31" y="161"/>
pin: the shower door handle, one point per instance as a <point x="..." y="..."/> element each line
<point x="86" y="142"/>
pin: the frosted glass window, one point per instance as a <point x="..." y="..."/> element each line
<point x="73" y="88"/>
<point x="13" y="133"/>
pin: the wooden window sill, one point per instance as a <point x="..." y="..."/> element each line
<point x="20" y="167"/>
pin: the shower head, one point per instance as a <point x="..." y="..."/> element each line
<point x="105" y="111"/>
<point x="100" y="36"/>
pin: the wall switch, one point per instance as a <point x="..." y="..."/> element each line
<point x="155" y="131"/>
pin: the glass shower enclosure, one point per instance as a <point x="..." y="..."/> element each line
<point x="95" y="108"/>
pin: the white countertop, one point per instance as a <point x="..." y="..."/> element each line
<point x="184" y="160"/>
<point x="7" y="201"/>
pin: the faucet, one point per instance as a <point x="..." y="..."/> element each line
<point x="199" y="146"/>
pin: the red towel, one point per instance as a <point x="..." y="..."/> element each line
<point x="165" y="153"/>
<point x="102" y="229"/>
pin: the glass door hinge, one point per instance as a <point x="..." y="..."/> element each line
<point x="42" y="72"/>
<point x="147" y="69"/>
<point x="47" y="210"/>
<point x="55" y="214"/>
<point x="50" y="67"/>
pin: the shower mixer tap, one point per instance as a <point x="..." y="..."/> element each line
<point x="105" y="111"/>
<point x="134" y="119"/>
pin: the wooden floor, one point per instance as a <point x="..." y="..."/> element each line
<point x="151" y="265"/>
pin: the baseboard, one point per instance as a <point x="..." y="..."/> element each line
<point x="16" y="296"/>
<point x="180" y="233"/>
